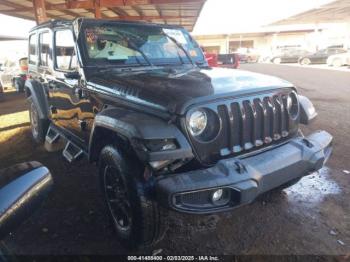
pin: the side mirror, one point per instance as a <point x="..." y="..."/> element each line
<point x="22" y="188"/>
<point x="72" y="75"/>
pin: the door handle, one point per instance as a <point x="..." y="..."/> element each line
<point x="79" y="93"/>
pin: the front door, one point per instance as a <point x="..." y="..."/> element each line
<point x="69" y="107"/>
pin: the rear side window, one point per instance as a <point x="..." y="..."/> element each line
<point x="66" y="59"/>
<point x="45" y="49"/>
<point x="32" y="49"/>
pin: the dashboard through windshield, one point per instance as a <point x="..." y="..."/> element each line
<point x="129" y="44"/>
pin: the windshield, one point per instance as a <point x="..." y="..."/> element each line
<point x="134" y="44"/>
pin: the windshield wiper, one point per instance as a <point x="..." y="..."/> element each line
<point x="182" y="48"/>
<point x="132" y="44"/>
<point x="135" y="47"/>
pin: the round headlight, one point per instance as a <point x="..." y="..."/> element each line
<point x="197" y="122"/>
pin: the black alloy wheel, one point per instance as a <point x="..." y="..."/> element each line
<point x="117" y="197"/>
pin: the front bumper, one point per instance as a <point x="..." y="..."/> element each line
<point x="243" y="179"/>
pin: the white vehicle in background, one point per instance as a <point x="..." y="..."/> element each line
<point x="339" y="60"/>
<point x="14" y="74"/>
<point x="8" y="69"/>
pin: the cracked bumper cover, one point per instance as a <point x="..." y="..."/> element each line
<point x="244" y="179"/>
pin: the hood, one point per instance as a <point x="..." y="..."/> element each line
<point x="176" y="89"/>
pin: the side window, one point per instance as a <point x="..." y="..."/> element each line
<point x="32" y="49"/>
<point x="45" y="49"/>
<point x="66" y="59"/>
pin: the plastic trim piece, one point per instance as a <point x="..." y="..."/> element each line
<point x="261" y="173"/>
<point x="307" y="111"/>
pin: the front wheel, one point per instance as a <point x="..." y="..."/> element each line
<point x="134" y="216"/>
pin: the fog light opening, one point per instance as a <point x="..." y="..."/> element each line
<point x="217" y="195"/>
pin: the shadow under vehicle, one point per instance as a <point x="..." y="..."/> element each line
<point x="23" y="188"/>
<point x="166" y="130"/>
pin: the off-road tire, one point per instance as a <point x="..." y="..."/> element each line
<point x="38" y="126"/>
<point x="147" y="226"/>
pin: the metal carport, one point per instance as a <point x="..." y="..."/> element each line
<point x="176" y="12"/>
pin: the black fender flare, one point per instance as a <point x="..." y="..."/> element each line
<point x="137" y="126"/>
<point x="308" y="112"/>
<point x="36" y="92"/>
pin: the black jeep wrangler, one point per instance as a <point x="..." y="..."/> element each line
<point x="166" y="130"/>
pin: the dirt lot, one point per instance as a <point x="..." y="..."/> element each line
<point x="312" y="217"/>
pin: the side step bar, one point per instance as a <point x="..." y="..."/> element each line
<point x="53" y="140"/>
<point x="52" y="136"/>
<point x="71" y="152"/>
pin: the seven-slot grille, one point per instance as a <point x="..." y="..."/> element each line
<point x="249" y="123"/>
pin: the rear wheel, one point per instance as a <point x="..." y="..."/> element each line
<point x="38" y="126"/>
<point x="134" y="216"/>
<point x="305" y="61"/>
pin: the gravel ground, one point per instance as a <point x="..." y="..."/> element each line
<point x="311" y="217"/>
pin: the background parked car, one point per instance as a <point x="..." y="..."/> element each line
<point x="339" y="59"/>
<point x="212" y="59"/>
<point x="320" y="57"/>
<point x="228" y="60"/>
<point x="222" y="60"/>
<point x="248" y="55"/>
<point x="7" y="72"/>
<point x="14" y="74"/>
<point x="21" y="77"/>
<point x="289" y="56"/>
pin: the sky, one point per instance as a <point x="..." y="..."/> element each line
<point x="15" y="26"/>
<point x="230" y="16"/>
